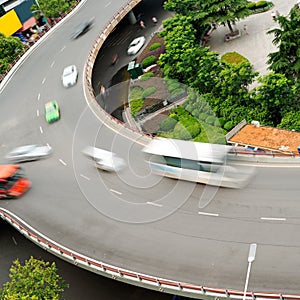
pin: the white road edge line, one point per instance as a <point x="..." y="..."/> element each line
<point x="154" y="204"/>
<point x="273" y="219"/>
<point x="41" y="129"/>
<point x="207" y="214"/>
<point x="44" y="79"/>
<point x="116" y="192"/>
<point x="85" y="177"/>
<point x="62" y="162"/>
<point x="37" y="113"/>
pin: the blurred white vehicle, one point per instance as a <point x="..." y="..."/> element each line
<point x="69" y="76"/>
<point x="136" y="45"/>
<point x="28" y="153"/>
<point x="105" y="160"/>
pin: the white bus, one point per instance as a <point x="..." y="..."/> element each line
<point x="197" y="162"/>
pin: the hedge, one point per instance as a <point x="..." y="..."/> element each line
<point x="168" y="124"/>
<point x="148" y="61"/>
<point x="148" y="91"/>
<point x="146" y="76"/>
<point x="154" y="46"/>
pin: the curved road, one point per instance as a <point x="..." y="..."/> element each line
<point x="134" y="219"/>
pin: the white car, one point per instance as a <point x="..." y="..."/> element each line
<point x="136" y="45"/>
<point x="28" y="153"/>
<point x="105" y="160"/>
<point x="69" y="76"/>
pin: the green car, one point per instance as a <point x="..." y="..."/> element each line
<point x="52" y="112"/>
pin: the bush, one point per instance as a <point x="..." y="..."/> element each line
<point x="228" y="125"/>
<point x="251" y="5"/>
<point x="181" y="133"/>
<point x="177" y="92"/>
<point x="202" y="116"/>
<point x="168" y="124"/>
<point x="261" y="4"/>
<point x="148" y="61"/>
<point x="173" y="85"/>
<point x="233" y="58"/>
<point x="222" y="121"/>
<point x="149" y="91"/>
<point x="135" y="93"/>
<point x="210" y="120"/>
<point x="146" y="76"/>
<point x="154" y="46"/>
<point x="136" y="105"/>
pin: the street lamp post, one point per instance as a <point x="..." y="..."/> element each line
<point x="251" y="258"/>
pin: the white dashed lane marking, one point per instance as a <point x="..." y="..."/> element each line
<point x="37" y="113"/>
<point x="272" y="219"/>
<point x="154" y="204"/>
<point x="208" y="214"/>
<point x="85" y="177"/>
<point x="52" y="64"/>
<point x="63" y="48"/>
<point x="41" y="129"/>
<point x="44" y="79"/>
<point x="116" y="192"/>
<point x="39" y="96"/>
<point x="62" y="162"/>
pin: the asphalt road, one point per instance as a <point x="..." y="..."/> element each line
<point x="111" y="217"/>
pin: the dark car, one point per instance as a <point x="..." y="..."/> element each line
<point x="82" y="28"/>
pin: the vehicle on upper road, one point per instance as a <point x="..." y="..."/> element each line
<point x="69" y="76"/>
<point x="82" y="28"/>
<point x="105" y="160"/>
<point x="13" y="182"/>
<point x="136" y="45"/>
<point x="28" y="153"/>
<point x="52" y="111"/>
<point x="196" y="162"/>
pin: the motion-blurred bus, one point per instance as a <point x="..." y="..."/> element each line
<point x="13" y="182"/>
<point x="197" y="162"/>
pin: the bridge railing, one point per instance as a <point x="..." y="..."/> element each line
<point x="140" y="279"/>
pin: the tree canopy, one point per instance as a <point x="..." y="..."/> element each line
<point x="53" y="8"/>
<point x="34" y="280"/>
<point x="287" y="37"/>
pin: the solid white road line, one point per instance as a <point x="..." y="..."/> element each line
<point x="41" y="129"/>
<point x="273" y="219"/>
<point x="208" y="214"/>
<point x="85" y="177"/>
<point x="116" y="192"/>
<point x="154" y="204"/>
<point x="62" y="162"/>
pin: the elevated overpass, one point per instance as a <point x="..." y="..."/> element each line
<point x="171" y="236"/>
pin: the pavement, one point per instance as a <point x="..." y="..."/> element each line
<point x="257" y="44"/>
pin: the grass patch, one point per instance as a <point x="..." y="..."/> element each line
<point x="233" y="58"/>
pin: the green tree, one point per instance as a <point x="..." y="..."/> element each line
<point x="52" y="8"/>
<point x="287" y="37"/>
<point x="204" y="12"/>
<point x="10" y="48"/>
<point x="34" y="280"/>
<point x="276" y="97"/>
<point x="291" y="121"/>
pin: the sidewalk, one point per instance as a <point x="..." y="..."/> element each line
<point x="258" y="44"/>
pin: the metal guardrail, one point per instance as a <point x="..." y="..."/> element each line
<point x="114" y="272"/>
<point x="140" y="279"/>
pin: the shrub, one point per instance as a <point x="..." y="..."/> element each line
<point x="154" y="46"/>
<point x="173" y="85"/>
<point x="177" y="92"/>
<point x="168" y="124"/>
<point x="135" y="93"/>
<point x="136" y="105"/>
<point x="146" y="76"/>
<point x="202" y="116"/>
<point x="233" y="58"/>
<point x="261" y="4"/>
<point x="210" y="120"/>
<point x="148" y="61"/>
<point x="251" y="5"/>
<point x="180" y="132"/>
<point x="222" y="121"/>
<point x="148" y="91"/>
<point x="228" y="125"/>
